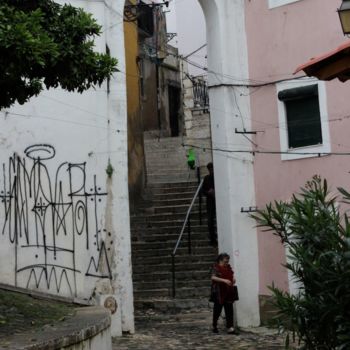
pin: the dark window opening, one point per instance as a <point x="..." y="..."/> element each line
<point x="145" y="19"/>
<point x="174" y="109"/>
<point x="303" y="116"/>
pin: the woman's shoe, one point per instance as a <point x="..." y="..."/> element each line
<point x="215" y="330"/>
<point x="231" y="330"/>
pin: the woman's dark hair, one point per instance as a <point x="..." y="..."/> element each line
<point x="222" y="256"/>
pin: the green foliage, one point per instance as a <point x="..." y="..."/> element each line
<point x="44" y="44"/>
<point x="318" y="239"/>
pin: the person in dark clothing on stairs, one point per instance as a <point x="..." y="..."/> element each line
<point x="208" y="190"/>
<point x="222" y="294"/>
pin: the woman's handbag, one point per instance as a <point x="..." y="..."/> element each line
<point x="213" y="294"/>
<point x="235" y="293"/>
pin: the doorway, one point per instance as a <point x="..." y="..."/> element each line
<point x="174" y="94"/>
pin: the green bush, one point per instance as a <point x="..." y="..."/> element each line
<point x="317" y="237"/>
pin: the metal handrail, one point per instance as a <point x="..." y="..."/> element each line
<point x="187" y="223"/>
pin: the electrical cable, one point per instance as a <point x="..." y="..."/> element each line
<point x="257" y="83"/>
<point x="254" y="152"/>
<point x="61" y="120"/>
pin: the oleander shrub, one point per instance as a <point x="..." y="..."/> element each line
<point x="317" y="236"/>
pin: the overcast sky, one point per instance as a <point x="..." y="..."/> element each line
<point x="186" y="18"/>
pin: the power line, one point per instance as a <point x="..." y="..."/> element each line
<point x="61" y="120"/>
<point x="195" y="51"/>
<point x="256" y="83"/>
<point x="254" y="152"/>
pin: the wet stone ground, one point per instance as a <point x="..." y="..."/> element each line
<point x="193" y="331"/>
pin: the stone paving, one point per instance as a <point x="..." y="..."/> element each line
<point x="193" y="331"/>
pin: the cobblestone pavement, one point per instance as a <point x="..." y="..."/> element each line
<point x="192" y="331"/>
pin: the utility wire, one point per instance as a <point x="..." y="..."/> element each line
<point x="256" y="83"/>
<point x="61" y="120"/>
<point x="195" y="51"/>
<point x="254" y="152"/>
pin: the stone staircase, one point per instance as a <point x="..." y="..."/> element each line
<point x="166" y="161"/>
<point x="155" y="230"/>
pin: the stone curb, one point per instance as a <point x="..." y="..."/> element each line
<point x="85" y="324"/>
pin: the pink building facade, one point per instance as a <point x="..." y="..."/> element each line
<point x="281" y="34"/>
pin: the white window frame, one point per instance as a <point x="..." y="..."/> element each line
<point x="325" y="147"/>
<point x="278" y="3"/>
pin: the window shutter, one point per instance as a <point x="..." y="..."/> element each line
<point x="303" y="116"/>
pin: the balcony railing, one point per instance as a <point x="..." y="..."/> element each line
<point x="200" y="93"/>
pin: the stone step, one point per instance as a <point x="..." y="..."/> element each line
<point x="156" y="261"/>
<point x="180" y="266"/>
<point x="142" y="225"/>
<point x="162" y="163"/>
<point x="179" y="283"/>
<point x="176" y="184"/>
<point x="162" y="179"/>
<point x="167" y="275"/>
<point x="163" y="141"/>
<point x="169" y="305"/>
<point x="166" y="149"/>
<point x="169" y="171"/>
<point x="172" y="150"/>
<point x="178" y="209"/>
<point x="173" y="202"/>
<point x="181" y="175"/>
<point x="167" y="188"/>
<point x="181" y="293"/>
<point x="166" y="238"/>
<point x="171" y="166"/>
<point x="174" y="195"/>
<point x="156" y="244"/>
<point x="168" y="234"/>
<point x="146" y="229"/>
<point x="166" y="252"/>
<point x="165" y="216"/>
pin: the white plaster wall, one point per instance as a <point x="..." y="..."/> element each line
<point x="234" y="179"/>
<point x="54" y="244"/>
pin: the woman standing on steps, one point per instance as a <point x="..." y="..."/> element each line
<point x="222" y="292"/>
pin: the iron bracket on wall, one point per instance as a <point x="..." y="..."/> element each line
<point x="245" y="132"/>
<point x="249" y="210"/>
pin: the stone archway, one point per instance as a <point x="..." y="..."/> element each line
<point x="234" y="176"/>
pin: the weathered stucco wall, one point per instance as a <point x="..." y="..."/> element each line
<point x="169" y="76"/>
<point x="64" y="221"/>
<point x="280" y="39"/>
<point x="136" y="155"/>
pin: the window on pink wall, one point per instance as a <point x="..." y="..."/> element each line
<point x="302" y="116"/>
<point x="277" y="3"/>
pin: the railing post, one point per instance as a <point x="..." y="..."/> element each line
<point x="189" y="235"/>
<point x="200" y="209"/>
<point x="198" y="175"/>
<point x="173" y="274"/>
<point x="200" y="195"/>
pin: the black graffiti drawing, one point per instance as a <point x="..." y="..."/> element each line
<point x="49" y="219"/>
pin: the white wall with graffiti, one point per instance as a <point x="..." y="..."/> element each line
<point x="64" y="212"/>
